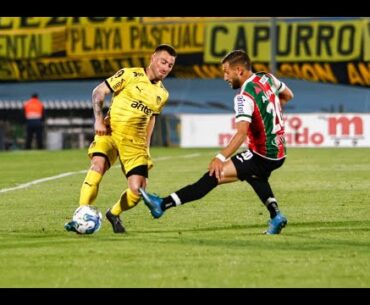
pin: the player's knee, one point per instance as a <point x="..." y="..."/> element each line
<point x="135" y="182"/>
<point x="97" y="168"/>
<point x="98" y="165"/>
<point x="255" y="178"/>
<point x="134" y="189"/>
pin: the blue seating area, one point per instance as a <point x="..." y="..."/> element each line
<point x="192" y="96"/>
<point x="216" y="96"/>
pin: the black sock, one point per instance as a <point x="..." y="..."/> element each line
<point x="263" y="189"/>
<point x="273" y="208"/>
<point x="167" y="203"/>
<point x="192" y="192"/>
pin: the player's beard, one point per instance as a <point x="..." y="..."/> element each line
<point x="235" y="84"/>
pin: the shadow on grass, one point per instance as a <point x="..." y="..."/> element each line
<point x="335" y="226"/>
<point x="307" y="236"/>
<point x="298" y="236"/>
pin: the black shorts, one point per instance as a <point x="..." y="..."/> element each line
<point x="249" y="164"/>
<point x="141" y="170"/>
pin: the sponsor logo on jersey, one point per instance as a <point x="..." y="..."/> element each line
<point x="118" y="85"/>
<point x="138" y="74"/>
<point x="263" y="79"/>
<point x="140" y="106"/>
<point x="240" y="100"/>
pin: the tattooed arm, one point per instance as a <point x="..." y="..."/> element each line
<point x="98" y="96"/>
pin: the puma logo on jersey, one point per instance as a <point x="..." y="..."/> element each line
<point x="140" y="106"/>
<point x="136" y="74"/>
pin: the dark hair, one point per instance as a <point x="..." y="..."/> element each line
<point x="34" y="95"/>
<point x="166" y="47"/>
<point x="237" y="57"/>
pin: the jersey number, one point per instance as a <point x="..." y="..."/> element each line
<point x="277" y="117"/>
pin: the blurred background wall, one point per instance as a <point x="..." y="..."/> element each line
<point x="326" y="61"/>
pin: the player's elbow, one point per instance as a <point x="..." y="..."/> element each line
<point x="100" y="92"/>
<point x="289" y="94"/>
<point x="286" y="96"/>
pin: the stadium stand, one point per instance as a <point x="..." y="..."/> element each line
<point x="190" y="96"/>
<point x="70" y="116"/>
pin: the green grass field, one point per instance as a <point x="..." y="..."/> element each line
<point x="214" y="242"/>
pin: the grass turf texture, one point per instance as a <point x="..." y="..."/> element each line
<point x="214" y="242"/>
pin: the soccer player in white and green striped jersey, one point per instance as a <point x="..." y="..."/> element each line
<point x="258" y="117"/>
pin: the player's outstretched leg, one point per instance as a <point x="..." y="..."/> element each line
<point x="276" y="224"/>
<point x="153" y="202"/>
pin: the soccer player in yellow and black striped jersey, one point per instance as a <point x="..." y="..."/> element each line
<point x="138" y="95"/>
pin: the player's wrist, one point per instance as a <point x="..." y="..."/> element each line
<point x="221" y="157"/>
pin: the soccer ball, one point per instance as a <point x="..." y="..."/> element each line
<point x="88" y="219"/>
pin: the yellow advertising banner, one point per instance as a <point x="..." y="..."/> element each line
<point x="353" y="73"/>
<point x="221" y="38"/>
<point x="10" y="23"/>
<point x="8" y="70"/>
<point x="133" y="38"/>
<point x="367" y="39"/>
<point x="95" y="40"/>
<point x="296" y="41"/>
<point x="17" y="44"/>
<point x="65" y="68"/>
<point x="42" y="48"/>
<point x="185" y="37"/>
<point x="194" y="19"/>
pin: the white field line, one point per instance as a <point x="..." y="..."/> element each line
<point x="37" y="181"/>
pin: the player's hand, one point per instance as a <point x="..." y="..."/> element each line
<point x="100" y="128"/>
<point x="216" y="167"/>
